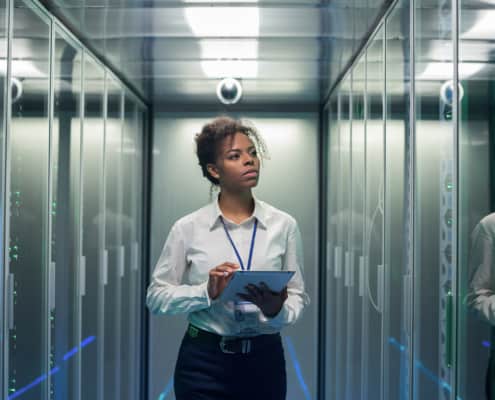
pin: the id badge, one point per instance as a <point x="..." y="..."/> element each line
<point x="247" y="316"/>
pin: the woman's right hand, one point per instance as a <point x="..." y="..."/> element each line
<point x="219" y="277"/>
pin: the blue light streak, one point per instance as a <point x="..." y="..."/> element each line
<point x="423" y="369"/>
<point x="167" y="389"/>
<point x="71" y="353"/>
<point x="87" y="341"/>
<point x="56" y="369"/>
<point x="34" y="383"/>
<point x="297" y="368"/>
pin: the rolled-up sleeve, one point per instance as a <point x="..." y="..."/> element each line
<point x="297" y="297"/>
<point x="166" y="293"/>
<point x="481" y="296"/>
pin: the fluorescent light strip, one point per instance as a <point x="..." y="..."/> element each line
<point x="439" y="71"/>
<point x="223" y="57"/>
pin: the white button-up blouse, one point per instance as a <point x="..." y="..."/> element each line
<point x="198" y="242"/>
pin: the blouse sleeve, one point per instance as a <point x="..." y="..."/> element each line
<point x="481" y="296"/>
<point x="297" y="298"/>
<point x="166" y="293"/>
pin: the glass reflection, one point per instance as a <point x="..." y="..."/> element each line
<point x="480" y="299"/>
<point x="434" y="200"/>
<point x="28" y="192"/>
<point x="476" y="337"/>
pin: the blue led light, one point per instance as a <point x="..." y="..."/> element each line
<point x="297" y="368"/>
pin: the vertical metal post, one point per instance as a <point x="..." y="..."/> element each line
<point x="455" y="198"/>
<point x="6" y="209"/>
<point x="102" y="271"/>
<point x="146" y="252"/>
<point x="349" y="257"/>
<point x="48" y="211"/>
<point x="386" y="266"/>
<point x="412" y="196"/>
<point x="322" y="232"/>
<point x="365" y="301"/>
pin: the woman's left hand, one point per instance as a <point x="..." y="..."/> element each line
<point x="269" y="302"/>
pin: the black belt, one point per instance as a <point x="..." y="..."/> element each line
<point x="231" y="344"/>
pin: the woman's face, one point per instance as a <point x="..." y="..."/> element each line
<point x="238" y="166"/>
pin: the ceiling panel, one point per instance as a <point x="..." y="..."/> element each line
<point x="288" y="51"/>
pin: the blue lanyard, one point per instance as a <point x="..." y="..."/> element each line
<point x="235" y="248"/>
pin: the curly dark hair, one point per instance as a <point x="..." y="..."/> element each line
<point x="208" y="141"/>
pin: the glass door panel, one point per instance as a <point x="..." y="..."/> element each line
<point x="3" y="233"/>
<point x="130" y="194"/>
<point x="398" y="270"/>
<point x="113" y="241"/>
<point x="65" y="220"/>
<point x="355" y="276"/>
<point x="92" y="306"/>
<point x="343" y="239"/>
<point x="373" y="299"/>
<point x="139" y="135"/>
<point x="333" y="184"/>
<point x="433" y="201"/>
<point x="28" y="193"/>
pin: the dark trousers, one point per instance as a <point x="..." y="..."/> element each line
<point x="204" y="372"/>
<point x="490" y="379"/>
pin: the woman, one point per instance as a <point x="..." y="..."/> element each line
<point x="230" y="350"/>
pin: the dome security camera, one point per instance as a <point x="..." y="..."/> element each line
<point x="16" y="88"/>
<point x="229" y="91"/>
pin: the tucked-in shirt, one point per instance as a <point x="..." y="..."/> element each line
<point x="481" y="296"/>
<point x="198" y="242"/>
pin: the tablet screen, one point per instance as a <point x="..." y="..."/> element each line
<point x="275" y="280"/>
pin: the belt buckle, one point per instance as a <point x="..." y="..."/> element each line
<point x="245" y="346"/>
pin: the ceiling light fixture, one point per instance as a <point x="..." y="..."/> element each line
<point x="229" y="45"/>
<point x="441" y="71"/>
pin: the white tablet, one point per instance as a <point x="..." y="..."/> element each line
<point x="275" y="280"/>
